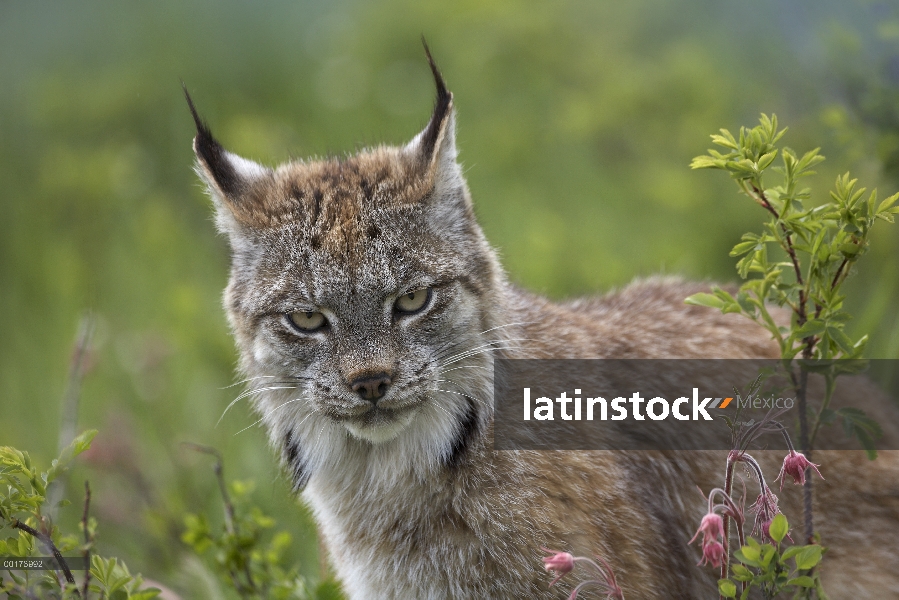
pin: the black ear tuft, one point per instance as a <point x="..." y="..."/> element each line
<point x="442" y="108"/>
<point x="212" y="155"/>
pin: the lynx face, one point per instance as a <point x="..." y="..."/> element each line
<point x="362" y="296"/>
<point x="350" y="308"/>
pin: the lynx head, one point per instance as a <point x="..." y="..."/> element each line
<point x="363" y="298"/>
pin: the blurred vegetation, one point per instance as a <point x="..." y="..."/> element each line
<point x="577" y="122"/>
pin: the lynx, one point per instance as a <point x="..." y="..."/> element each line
<point x="368" y="310"/>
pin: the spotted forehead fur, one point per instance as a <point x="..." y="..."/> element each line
<point x="334" y="199"/>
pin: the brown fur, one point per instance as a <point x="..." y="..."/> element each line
<point x="411" y="500"/>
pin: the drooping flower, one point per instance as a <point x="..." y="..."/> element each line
<point x="563" y="563"/>
<point x="560" y="562"/>
<point x="795" y="465"/>
<point x="712" y="554"/>
<point x="765" y="509"/>
<point x="711" y="527"/>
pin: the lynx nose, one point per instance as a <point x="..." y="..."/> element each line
<point x="371" y="388"/>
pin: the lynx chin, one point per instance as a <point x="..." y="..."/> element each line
<point x="368" y="308"/>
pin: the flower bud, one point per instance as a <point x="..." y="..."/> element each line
<point x="560" y="562"/>
<point x="795" y="465"/>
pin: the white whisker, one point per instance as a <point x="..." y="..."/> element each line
<point x="506" y="325"/>
<point x="269" y="413"/>
<point x="482" y="351"/>
<point x="289" y="378"/>
<point x="300" y="424"/>
<point x="250" y="393"/>
<point x="467" y="367"/>
<point x="490" y="344"/>
<point x="484" y="345"/>
<point x="247" y="380"/>
<point x="473" y="399"/>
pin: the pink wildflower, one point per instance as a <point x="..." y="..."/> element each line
<point x="795" y="465"/>
<point x="712" y="528"/>
<point x="560" y="562"/>
<point x="712" y="554"/>
<point x="563" y="563"/>
<point x="765" y="509"/>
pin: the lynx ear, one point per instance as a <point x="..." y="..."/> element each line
<point x="435" y="146"/>
<point x="231" y="179"/>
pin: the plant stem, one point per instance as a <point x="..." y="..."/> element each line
<point x="17" y="524"/>
<point x="230" y="523"/>
<point x="788" y="247"/>
<point x="70" y="400"/>
<point x="728" y="488"/>
<point x="836" y="278"/>
<point x="801" y="317"/>
<point x="88" y="540"/>
<point x="807" y="451"/>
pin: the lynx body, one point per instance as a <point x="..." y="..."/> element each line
<point x="368" y="309"/>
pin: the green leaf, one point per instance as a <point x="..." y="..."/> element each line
<point x="769" y="552"/>
<point x="726" y="140"/>
<point x="849" y="249"/>
<point x="808" y="557"/>
<point x="888" y="202"/>
<point x="810" y="328"/>
<point x="827" y="416"/>
<point x="803" y="581"/>
<point x="842" y="340"/>
<point x="741" y="573"/>
<point x="727" y="588"/>
<point x="703" y="299"/>
<point x="778" y="528"/>
<point x="83" y="442"/>
<point x="859" y="425"/>
<point x="766" y="160"/>
<point x="790" y="553"/>
<point x="810" y="159"/>
<point x="707" y="162"/>
<point x="742" y="248"/>
<point x="750" y="553"/>
<point x="746" y="303"/>
<point x="744" y="265"/>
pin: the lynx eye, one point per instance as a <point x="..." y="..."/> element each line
<point x="306" y="321"/>
<point x="413" y="302"/>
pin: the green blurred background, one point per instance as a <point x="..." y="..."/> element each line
<point x="576" y="123"/>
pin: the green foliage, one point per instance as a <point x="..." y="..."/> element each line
<point x="26" y="487"/>
<point x="250" y="560"/>
<point x="114" y="581"/>
<point x="800" y="260"/>
<point x="821" y="243"/>
<point x="767" y="567"/>
<point x="23" y="495"/>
